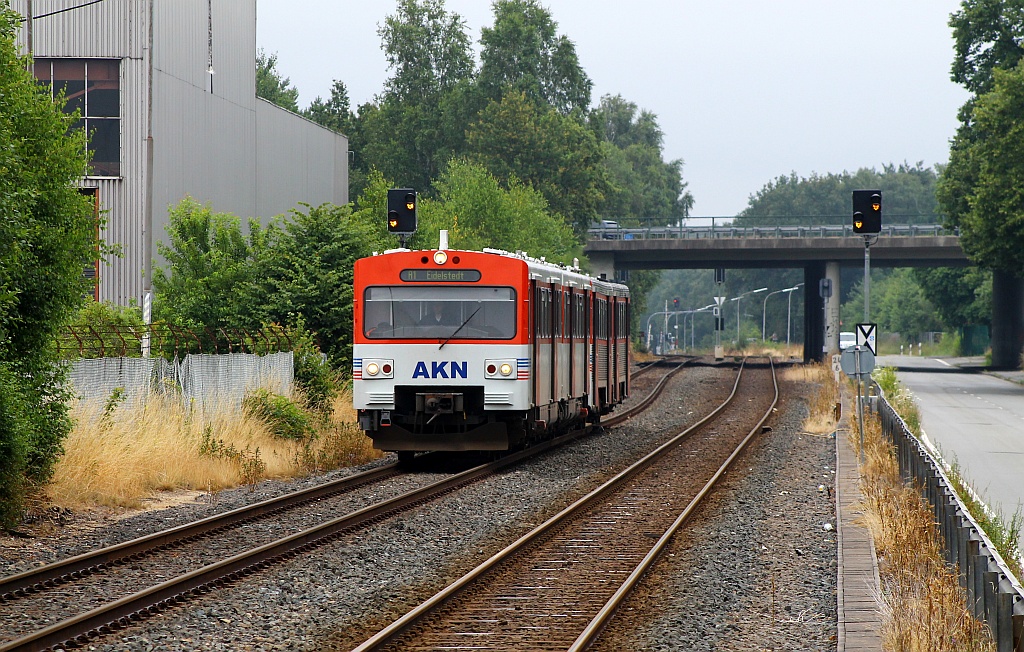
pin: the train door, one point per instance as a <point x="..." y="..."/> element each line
<point x="542" y="337"/>
<point x="554" y="372"/>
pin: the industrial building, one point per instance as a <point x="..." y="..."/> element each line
<point x="167" y="88"/>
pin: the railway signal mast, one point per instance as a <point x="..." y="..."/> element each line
<point x="402" y="212"/>
<point x="867" y="220"/>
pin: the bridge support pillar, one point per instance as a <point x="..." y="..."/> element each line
<point x="814" y="316"/>
<point x="1007" y="320"/>
<point x="602" y="262"/>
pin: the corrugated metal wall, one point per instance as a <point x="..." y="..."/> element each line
<point x="110" y="30"/>
<point x="214" y="142"/>
<point x="297" y="154"/>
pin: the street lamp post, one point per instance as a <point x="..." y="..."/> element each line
<point x="764" y="312"/>
<point x="692" y="327"/>
<point x="789" y="309"/>
<point x="737" y="300"/>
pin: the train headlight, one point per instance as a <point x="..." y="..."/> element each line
<point x="378" y="368"/>
<point x="440" y="257"/>
<point x="501" y="369"/>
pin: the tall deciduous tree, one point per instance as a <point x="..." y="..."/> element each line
<point x="992" y="226"/>
<point x="524" y="52"/>
<point x="419" y="121"/>
<point x="642" y="183"/>
<point x="305" y="269"/>
<point x="482" y="213"/>
<point x="908" y="193"/>
<point x="47" y="235"/>
<point x="334" y="112"/>
<point x="272" y="86"/>
<point x="209" y="263"/>
<point x="979" y="188"/>
<point x="988" y="35"/>
<point x="554" y="153"/>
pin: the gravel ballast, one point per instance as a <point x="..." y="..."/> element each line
<point x="763" y="576"/>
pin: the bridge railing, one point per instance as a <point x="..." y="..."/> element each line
<point x="729" y="231"/>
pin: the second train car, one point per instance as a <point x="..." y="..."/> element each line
<point x="467" y="350"/>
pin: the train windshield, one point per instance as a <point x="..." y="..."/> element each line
<point x="459" y="313"/>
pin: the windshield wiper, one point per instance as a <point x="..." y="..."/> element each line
<point x="463" y="325"/>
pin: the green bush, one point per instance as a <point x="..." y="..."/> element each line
<point x="13" y="446"/>
<point x="47" y="234"/>
<point x="285" y="418"/>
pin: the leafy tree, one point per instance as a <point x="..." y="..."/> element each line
<point x="428" y="50"/>
<point x="46" y="235"/>
<point x="555" y="154"/>
<point x="523" y="53"/>
<point x="209" y="260"/>
<point x="898" y="305"/>
<point x="976" y="189"/>
<point x="480" y="213"/>
<point x="333" y="113"/>
<point x="988" y="35"/>
<point x="962" y="296"/>
<point x="304" y="271"/>
<point x="908" y="193"/>
<point x="420" y="120"/>
<point x="641" y="182"/>
<point x="272" y="86"/>
<point x="992" y="227"/>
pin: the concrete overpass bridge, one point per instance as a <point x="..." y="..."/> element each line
<point x="821" y="251"/>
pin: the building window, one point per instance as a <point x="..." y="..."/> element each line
<point x="92" y="88"/>
<point x="92" y="267"/>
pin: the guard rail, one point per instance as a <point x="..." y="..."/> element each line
<point x="729" y="231"/>
<point x="994" y="595"/>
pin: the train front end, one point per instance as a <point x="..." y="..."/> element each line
<point x="441" y="350"/>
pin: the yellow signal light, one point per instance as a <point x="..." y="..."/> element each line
<point x="858" y="224"/>
<point x="876" y="207"/>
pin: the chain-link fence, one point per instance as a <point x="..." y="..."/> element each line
<point x="203" y="381"/>
<point x="167" y="340"/>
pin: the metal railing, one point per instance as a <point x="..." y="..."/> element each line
<point x="714" y="231"/>
<point x="993" y="594"/>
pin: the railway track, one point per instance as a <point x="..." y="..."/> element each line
<point x="558" y="586"/>
<point x="58" y="583"/>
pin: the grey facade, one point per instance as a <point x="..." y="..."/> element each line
<point x="184" y="130"/>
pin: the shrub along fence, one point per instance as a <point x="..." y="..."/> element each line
<point x="993" y="594"/>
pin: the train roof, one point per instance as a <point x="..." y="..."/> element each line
<point x="541" y="269"/>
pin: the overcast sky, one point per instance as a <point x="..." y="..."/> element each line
<point x="744" y="90"/>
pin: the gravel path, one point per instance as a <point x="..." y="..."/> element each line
<point x="342" y="592"/>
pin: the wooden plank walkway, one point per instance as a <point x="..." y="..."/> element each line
<point x="858" y="585"/>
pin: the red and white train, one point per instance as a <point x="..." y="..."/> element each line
<point x="466" y="350"/>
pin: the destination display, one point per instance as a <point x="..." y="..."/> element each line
<point x="440" y="275"/>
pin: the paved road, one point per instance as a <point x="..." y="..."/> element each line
<point x="975" y="420"/>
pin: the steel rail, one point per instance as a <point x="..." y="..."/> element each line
<point x="120" y="613"/>
<point x="72" y="568"/>
<point x="598" y="623"/>
<point x="398" y="628"/>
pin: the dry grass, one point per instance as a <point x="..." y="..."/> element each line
<point x="119" y="459"/>
<point x="824" y="414"/>
<point x="924" y="607"/>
